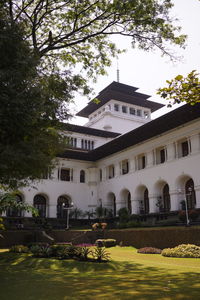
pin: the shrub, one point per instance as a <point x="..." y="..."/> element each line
<point x="124" y="215"/>
<point x="100" y="254"/>
<point x="95" y="226"/>
<point x="82" y="253"/>
<point x="149" y="250"/>
<point x="122" y="225"/>
<point x="103" y="225"/>
<point x="182" y="216"/>
<point x="132" y="224"/>
<point x="184" y="250"/>
<point x="19" y="249"/>
<point x="105" y="243"/>
<point x="193" y="214"/>
<point x="85" y="245"/>
<point x="109" y="243"/>
<point x="40" y="244"/>
<point x="41" y="251"/>
<point x="2" y="227"/>
<point x="66" y="251"/>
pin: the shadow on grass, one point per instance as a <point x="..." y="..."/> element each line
<point x="24" y="277"/>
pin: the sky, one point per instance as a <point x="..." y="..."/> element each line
<point x="149" y="71"/>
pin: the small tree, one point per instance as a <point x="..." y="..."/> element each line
<point x="124" y="215"/>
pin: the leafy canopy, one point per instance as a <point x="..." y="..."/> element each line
<point x="76" y="33"/>
<point x="49" y="50"/>
<point x="8" y="200"/>
<point x="182" y="89"/>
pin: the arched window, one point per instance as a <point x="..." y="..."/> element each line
<point x="190" y="194"/>
<point x="15" y="212"/>
<point x="82" y="176"/>
<point x="39" y="202"/>
<point x="62" y="203"/>
<point x="166" y="198"/>
<point x="146" y="201"/>
<point x="129" y="202"/>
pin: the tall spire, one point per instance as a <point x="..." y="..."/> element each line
<point x="117" y="71"/>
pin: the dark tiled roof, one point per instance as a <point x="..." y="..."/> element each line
<point x="89" y="131"/>
<point x="121" y="92"/>
<point x="169" y="121"/>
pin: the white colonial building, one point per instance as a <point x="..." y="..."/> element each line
<point x="122" y="158"/>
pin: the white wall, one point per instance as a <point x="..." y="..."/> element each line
<point x="175" y="172"/>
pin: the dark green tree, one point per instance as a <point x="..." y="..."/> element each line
<point x="49" y="49"/>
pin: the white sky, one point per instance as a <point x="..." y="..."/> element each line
<point x="149" y="70"/>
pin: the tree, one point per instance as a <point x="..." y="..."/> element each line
<point x="8" y="200"/>
<point x="49" y="49"/>
<point x="182" y="89"/>
<point x="73" y="32"/>
<point x="31" y="106"/>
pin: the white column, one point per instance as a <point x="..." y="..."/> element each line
<point x="171" y="152"/>
<point x="197" y="192"/>
<point x="117" y="169"/>
<point x="150" y="158"/>
<point x="195" y="143"/>
<point x="52" y="210"/>
<point x="152" y="204"/>
<point x="175" y="199"/>
<point x="132" y="166"/>
<point x="135" y="206"/>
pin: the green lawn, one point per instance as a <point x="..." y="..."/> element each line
<point x="128" y="276"/>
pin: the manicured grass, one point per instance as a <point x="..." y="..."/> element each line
<point x="128" y="276"/>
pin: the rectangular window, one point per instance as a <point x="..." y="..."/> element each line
<point x="162" y="156"/>
<point x="124" y="109"/>
<point x="139" y="112"/>
<point x="146" y="114"/>
<point x="65" y="174"/>
<point x="185" y="148"/>
<point x="132" y="111"/>
<point x="143" y="162"/>
<point x="124" y="167"/>
<point x="116" y="107"/>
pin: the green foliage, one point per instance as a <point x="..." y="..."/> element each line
<point x="100" y="254"/>
<point x="184" y="250"/>
<point x="2" y="227"/>
<point x="192" y="214"/>
<point x="19" y="249"/>
<point x="41" y="251"/>
<point x="76" y="213"/>
<point x="74" y="33"/>
<point x="8" y="200"/>
<point x="83" y="252"/>
<point x="124" y="215"/>
<point x="182" y="89"/>
<point x="105" y="243"/>
<point x="37" y="39"/>
<point x="149" y="250"/>
<point x="65" y="251"/>
<point x="30" y="106"/>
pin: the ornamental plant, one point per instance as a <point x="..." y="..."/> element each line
<point x="184" y="250"/>
<point x="149" y="250"/>
<point x="19" y="249"/>
<point x="100" y="254"/>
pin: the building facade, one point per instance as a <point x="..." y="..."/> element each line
<point x="122" y="158"/>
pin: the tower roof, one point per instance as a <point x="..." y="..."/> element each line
<point x="121" y="92"/>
